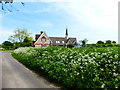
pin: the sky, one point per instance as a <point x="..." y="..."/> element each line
<point x="91" y="19"/>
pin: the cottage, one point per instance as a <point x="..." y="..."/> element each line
<point x="42" y="40"/>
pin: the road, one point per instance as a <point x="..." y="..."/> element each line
<point x="16" y="75"/>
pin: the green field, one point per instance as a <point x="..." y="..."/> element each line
<point x="76" y="67"/>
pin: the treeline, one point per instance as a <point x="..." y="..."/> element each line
<point x="15" y="45"/>
<point x="107" y="43"/>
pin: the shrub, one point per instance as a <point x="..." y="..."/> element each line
<point x="7" y="45"/>
<point x="76" y="67"/>
<point x="70" y="45"/>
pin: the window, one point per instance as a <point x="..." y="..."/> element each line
<point x="43" y="39"/>
<point x="62" y="41"/>
<point x="43" y="45"/>
<point x="57" y="41"/>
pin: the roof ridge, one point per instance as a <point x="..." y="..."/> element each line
<point x="56" y="37"/>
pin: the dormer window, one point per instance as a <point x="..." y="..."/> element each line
<point x="43" y="39"/>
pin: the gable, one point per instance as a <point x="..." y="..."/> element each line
<point x="39" y="40"/>
<point x="71" y="40"/>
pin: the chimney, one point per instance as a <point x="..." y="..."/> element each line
<point x="41" y="32"/>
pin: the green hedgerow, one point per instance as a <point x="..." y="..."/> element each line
<point x="76" y="67"/>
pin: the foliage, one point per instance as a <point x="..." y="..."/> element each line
<point x="0" y="45"/>
<point x="28" y="41"/>
<point x="84" y="41"/>
<point x="19" y="35"/>
<point x="22" y="44"/>
<point x="114" y="42"/>
<point x="76" y="67"/>
<point x="108" y="42"/>
<point x="100" y="42"/>
<point x="7" y="45"/>
<point x="21" y="38"/>
<point x="90" y="45"/>
<point x="70" y="45"/>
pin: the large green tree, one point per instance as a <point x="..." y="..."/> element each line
<point x="19" y="35"/>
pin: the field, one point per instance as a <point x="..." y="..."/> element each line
<point x="76" y="67"/>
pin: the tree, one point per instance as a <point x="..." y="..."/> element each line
<point x="100" y="42"/>
<point x="7" y="45"/>
<point x="84" y="41"/>
<point x="19" y="35"/>
<point x="28" y="41"/>
<point x="114" y="42"/>
<point x="108" y="42"/>
<point x="6" y="5"/>
<point x="0" y="45"/>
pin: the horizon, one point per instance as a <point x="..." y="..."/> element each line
<point x="93" y="20"/>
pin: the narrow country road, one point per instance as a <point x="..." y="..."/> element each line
<point x="15" y="75"/>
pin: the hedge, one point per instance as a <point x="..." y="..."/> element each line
<point x="76" y="67"/>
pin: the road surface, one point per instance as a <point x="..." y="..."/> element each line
<point x="16" y="75"/>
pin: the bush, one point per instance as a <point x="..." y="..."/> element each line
<point x="100" y="45"/>
<point x="7" y="45"/>
<point x="22" y="44"/>
<point x="90" y="45"/>
<point x="76" y="67"/>
<point x="70" y="45"/>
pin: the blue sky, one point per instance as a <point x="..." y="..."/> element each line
<point x="91" y="19"/>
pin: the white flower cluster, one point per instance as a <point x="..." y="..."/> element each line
<point x="27" y="51"/>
